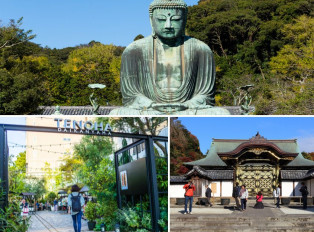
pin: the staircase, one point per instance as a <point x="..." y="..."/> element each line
<point x="267" y="219"/>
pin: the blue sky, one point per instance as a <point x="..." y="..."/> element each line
<point x="301" y="128"/>
<point x="63" y="23"/>
<point x="17" y="137"/>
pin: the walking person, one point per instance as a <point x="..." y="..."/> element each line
<point x="75" y="206"/>
<point x="189" y="192"/>
<point x="259" y="201"/>
<point x="55" y="205"/>
<point x="304" y="193"/>
<point x="235" y="195"/>
<point x="276" y="194"/>
<point x="208" y="194"/>
<point x="244" y="195"/>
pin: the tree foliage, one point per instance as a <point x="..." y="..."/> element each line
<point x="260" y="43"/>
<point x="184" y="147"/>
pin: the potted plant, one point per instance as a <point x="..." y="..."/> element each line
<point x="225" y="201"/>
<point x="91" y="215"/>
<point x="285" y="201"/>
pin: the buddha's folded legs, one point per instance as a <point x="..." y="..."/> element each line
<point x="209" y="111"/>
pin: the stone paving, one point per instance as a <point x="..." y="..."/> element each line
<point x="60" y="221"/>
<point x="298" y="211"/>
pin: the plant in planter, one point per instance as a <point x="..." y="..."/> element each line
<point x="225" y="201"/>
<point x="91" y="214"/>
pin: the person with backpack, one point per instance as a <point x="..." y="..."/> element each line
<point x="189" y="192"/>
<point x="235" y="195"/>
<point x="276" y="195"/>
<point x="208" y="194"/>
<point x="304" y="193"/>
<point x="75" y="206"/>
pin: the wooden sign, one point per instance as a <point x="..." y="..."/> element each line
<point x="213" y="187"/>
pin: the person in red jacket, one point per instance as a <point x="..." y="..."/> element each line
<point x="189" y="192"/>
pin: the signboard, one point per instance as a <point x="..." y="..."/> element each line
<point x="82" y="127"/>
<point x="133" y="178"/>
<point x="124" y="180"/>
<point x="213" y="187"/>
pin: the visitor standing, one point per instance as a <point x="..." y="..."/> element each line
<point x="85" y="203"/>
<point x="55" y="204"/>
<point x="304" y="193"/>
<point x="208" y="194"/>
<point x="24" y="208"/>
<point x="235" y="194"/>
<point x="75" y="206"/>
<point x="259" y="201"/>
<point x="277" y="196"/>
<point x="244" y="195"/>
<point x="189" y="192"/>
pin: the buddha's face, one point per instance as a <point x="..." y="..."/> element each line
<point x="168" y="23"/>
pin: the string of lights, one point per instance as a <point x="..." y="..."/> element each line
<point x="46" y="145"/>
<point x="39" y="147"/>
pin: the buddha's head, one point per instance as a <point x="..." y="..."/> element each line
<point x="168" y="18"/>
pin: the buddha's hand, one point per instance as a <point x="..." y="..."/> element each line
<point x="141" y="103"/>
<point x="197" y="103"/>
<point x="169" y="107"/>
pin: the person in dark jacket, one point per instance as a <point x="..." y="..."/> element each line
<point x="208" y="194"/>
<point x="304" y="193"/>
<point x="236" y="196"/>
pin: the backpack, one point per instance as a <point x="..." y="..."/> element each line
<point x="304" y="191"/>
<point x="76" y="203"/>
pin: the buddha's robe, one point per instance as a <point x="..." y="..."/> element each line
<point x="140" y="90"/>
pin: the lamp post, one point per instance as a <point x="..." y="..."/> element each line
<point x="117" y="228"/>
<point x="93" y="99"/>
<point x="103" y="229"/>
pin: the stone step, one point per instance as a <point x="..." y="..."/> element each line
<point x="242" y="229"/>
<point x="202" y="218"/>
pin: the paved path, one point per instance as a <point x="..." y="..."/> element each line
<point x="61" y="222"/>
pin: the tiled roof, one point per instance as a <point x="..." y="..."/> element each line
<point x="75" y="110"/>
<point x="178" y="179"/>
<point x="293" y="174"/>
<point x="300" y="161"/>
<point x="310" y="174"/>
<point x="211" y="159"/>
<point x="211" y="174"/>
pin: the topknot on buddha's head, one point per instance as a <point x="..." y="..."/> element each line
<point x="167" y="4"/>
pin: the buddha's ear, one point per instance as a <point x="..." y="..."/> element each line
<point x="151" y="23"/>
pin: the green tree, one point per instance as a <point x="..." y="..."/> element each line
<point x="94" y="64"/>
<point x="36" y="186"/>
<point x="294" y="61"/>
<point x="144" y="125"/>
<point x="17" y="173"/>
<point x="12" y="35"/>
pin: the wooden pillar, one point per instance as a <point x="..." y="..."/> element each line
<point x="221" y="188"/>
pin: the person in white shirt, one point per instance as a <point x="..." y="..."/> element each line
<point x="244" y="195"/>
<point x="277" y="196"/>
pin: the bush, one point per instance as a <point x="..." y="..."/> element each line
<point x="11" y="219"/>
<point x="90" y="211"/>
